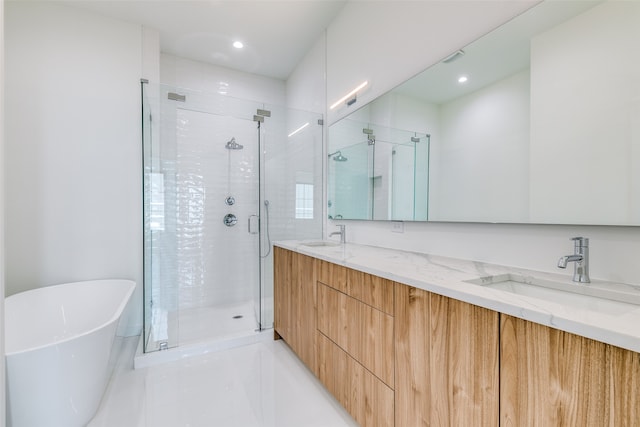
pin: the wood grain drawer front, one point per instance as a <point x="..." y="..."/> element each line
<point x="369" y="401"/>
<point x="446" y="361"/>
<point x="294" y="303"/>
<point x="304" y="311"/>
<point x="372" y="290"/>
<point x="359" y="329"/>
<point x="333" y="275"/>
<point x="553" y="378"/>
<point x="282" y="270"/>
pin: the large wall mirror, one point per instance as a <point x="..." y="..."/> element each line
<point x="536" y="122"/>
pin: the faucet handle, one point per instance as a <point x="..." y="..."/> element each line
<point x="580" y="242"/>
<point x="342" y="233"/>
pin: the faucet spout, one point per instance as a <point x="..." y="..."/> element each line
<point x="580" y="258"/>
<point x="562" y="262"/>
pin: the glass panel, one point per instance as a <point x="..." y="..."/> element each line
<point x="146" y="179"/>
<point x="292" y="150"/>
<point x="161" y="298"/>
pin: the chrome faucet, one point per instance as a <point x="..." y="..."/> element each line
<point x="581" y="259"/>
<point x="343" y="238"/>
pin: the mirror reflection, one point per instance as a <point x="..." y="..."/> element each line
<point x="536" y="122"/>
<point x="377" y="172"/>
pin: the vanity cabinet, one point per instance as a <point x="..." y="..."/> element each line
<point x="446" y="361"/>
<point x="295" y="303"/>
<point x="393" y="354"/>
<point x="554" y="378"/>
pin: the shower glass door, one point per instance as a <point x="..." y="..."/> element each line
<point x="217" y="230"/>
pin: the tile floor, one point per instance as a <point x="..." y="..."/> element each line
<point x="257" y="385"/>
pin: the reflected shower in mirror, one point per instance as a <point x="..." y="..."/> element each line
<point x="377" y="172"/>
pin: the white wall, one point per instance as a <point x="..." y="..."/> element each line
<point x="568" y="61"/>
<point x="202" y="77"/>
<point x="306" y="85"/>
<point x="73" y="157"/>
<point x="431" y="31"/>
<point x="2" y="206"/>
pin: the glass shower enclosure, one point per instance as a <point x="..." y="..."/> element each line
<point x="216" y="193"/>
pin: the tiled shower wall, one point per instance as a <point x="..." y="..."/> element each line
<point x="216" y="264"/>
<point x="202" y="262"/>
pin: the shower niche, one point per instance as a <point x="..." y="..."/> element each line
<point x="211" y="162"/>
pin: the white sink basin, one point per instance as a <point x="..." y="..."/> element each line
<point x="618" y="300"/>
<point x="320" y="243"/>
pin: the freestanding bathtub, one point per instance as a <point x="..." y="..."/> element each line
<point x="58" y="342"/>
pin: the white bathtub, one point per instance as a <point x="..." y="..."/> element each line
<point x="58" y="342"/>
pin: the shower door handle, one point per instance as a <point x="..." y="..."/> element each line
<point x="253" y="225"/>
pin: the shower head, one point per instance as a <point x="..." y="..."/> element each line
<point x="233" y="145"/>
<point x="338" y="157"/>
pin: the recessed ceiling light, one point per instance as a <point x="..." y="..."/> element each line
<point x="238" y="44"/>
<point x="462" y="79"/>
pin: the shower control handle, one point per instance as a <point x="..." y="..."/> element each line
<point x="249" y="228"/>
<point x="229" y="220"/>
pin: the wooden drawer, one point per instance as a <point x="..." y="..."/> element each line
<point x="372" y="290"/>
<point x="333" y="275"/>
<point x="365" y="397"/>
<point x="361" y="330"/>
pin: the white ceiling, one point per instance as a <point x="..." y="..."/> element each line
<point x="276" y="34"/>
<point x="495" y="56"/>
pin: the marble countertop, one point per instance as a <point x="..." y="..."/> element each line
<point x="619" y="325"/>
